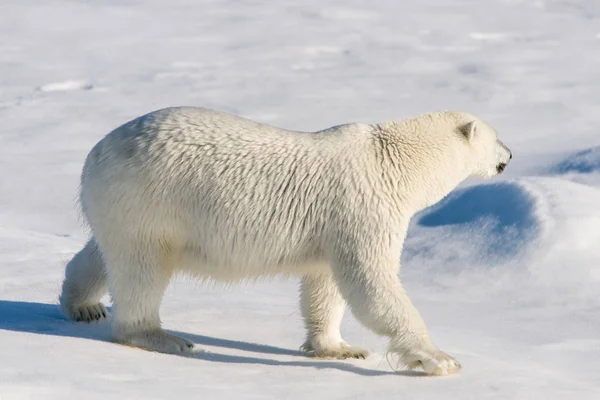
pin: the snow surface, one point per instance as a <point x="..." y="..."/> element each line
<point x="506" y="273"/>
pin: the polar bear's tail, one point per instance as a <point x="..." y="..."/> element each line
<point x="84" y="285"/>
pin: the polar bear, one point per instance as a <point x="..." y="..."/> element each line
<point x="221" y="197"/>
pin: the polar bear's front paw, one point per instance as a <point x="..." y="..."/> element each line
<point x="434" y="362"/>
<point x="159" y="341"/>
<point x="335" y="352"/>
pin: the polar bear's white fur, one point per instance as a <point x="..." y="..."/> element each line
<point x="225" y="198"/>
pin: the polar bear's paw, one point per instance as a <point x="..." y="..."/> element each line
<point x="434" y="362"/>
<point x="159" y="341"/>
<point x="87" y="312"/>
<point x="334" y="352"/>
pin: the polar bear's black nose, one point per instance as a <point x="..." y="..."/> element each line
<point x="510" y="157"/>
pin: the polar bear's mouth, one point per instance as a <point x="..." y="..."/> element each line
<point x="500" y="167"/>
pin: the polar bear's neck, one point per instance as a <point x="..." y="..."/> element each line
<point x="424" y="161"/>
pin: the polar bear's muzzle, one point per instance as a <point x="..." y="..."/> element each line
<point x="502" y="164"/>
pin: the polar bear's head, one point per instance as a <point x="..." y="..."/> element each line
<point x="491" y="154"/>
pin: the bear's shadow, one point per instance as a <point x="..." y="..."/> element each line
<point x="46" y="319"/>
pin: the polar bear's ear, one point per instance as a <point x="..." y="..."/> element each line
<point x="469" y="130"/>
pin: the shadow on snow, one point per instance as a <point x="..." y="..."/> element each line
<point x="46" y="319"/>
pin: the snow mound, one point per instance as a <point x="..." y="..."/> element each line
<point x="508" y="203"/>
<point x="569" y="256"/>
<point x="66" y="86"/>
<point x="536" y="232"/>
<point x="583" y="162"/>
<point x="501" y="218"/>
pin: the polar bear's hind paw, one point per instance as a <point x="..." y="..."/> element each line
<point x="88" y="313"/>
<point x="159" y="341"/>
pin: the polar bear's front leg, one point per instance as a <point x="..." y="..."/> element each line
<point x="322" y="309"/>
<point x="368" y="280"/>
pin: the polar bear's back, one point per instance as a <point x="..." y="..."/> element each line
<point x="190" y="143"/>
<point x="204" y="177"/>
<point x="197" y="126"/>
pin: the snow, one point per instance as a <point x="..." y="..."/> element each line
<point x="66" y="85"/>
<point x="506" y="273"/>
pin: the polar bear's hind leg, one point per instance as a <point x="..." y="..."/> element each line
<point x="84" y="285"/>
<point x="138" y="275"/>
